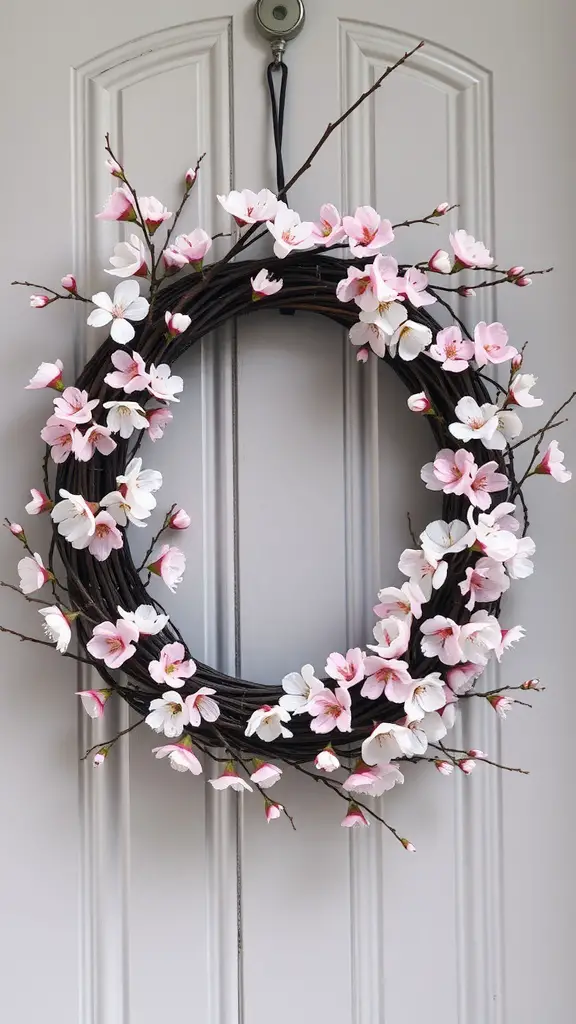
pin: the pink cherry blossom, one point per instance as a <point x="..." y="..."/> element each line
<point x="451" y="472"/>
<point x="373" y="780"/>
<point x="176" y="323"/>
<point x="106" y="537"/>
<point x="441" y="639"/>
<point x="153" y="212"/>
<point x="249" y="207"/>
<point x="386" y="675"/>
<point x="191" y="248"/>
<point x="467" y="765"/>
<point x="347" y="671"/>
<point x="519" y="391"/>
<point x="491" y="344"/>
<point x="469" y="252"/>
<point x="48" y="375"/>
<point x="552" y="464"/>
<point x="179" y="520"/>
<point x="326" y="760"/>
<point x="157" y="421"/>
<point x="486" y="581"/>
<point x="427" y="571"/>
<point x="452" y="350"/>
<point x="419" y="403"/>
<point x="331" y="709"/>
<point x="392" y="637"/>
<point x="462" y="677"/>
<point x="509" y="637"/>
<point x="265" y="775"/>
<point x="169" y="565"/>
<point x="413" y="287"/>
<point x="494" y="531"/>
<point x="290" y="233"/>
<point x="501" y="704"/>
<point x="201" y="705"/>
<point x="485" y="481"/>
<point x="40" y="503"/>
<point x="355" y="818"/>
<point x="68" y="283"/>
<point x="17" y="531"/>
<point x="96" y="439"/>
<point x="39" y="301"/>
<point x="230" y="780"/>
<point x="113" y="644"/>
<point x="163" y="384"/>
<point x="129" y="259"/>
<point x="400" y="602"/>
<point x="94" y="701"/>
<point x="263" y="284"/>
<point x="354" y="284"/>
<point x="479" y="637"/>
<point x="33" y="575"/>
<point x="367" y="232"/>
<point x="272" y="811"/>
<point x="119" y="206"/>
<point x="180" y="756"/>
<point x="523" y="282"/>
<point x="130" y="373"/>
<point x="74" y="405"/>
<point x="329" y="229"/>
<point x="172" y="668"/>
<point x="531" y="684"/>
<point x="440" y="262"/>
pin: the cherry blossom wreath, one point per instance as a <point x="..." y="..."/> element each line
<point x="434" y="634"/>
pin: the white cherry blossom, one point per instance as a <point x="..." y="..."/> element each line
<point x="441" y="538"/>
<point x="299" y="688"/>
<point x="268" y="723"/>
<point x="126" y="305"/>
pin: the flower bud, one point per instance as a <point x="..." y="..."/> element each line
<point x="441" y="209"/>
<point x="17" y="531"/>
<point x="479" y="754"/>
<point x="176" y="323"/>
<point x="467" y="293"/>
<point x="408" y="845"/>
<point x="419" y="403"/>
<point x="39" y="301"/>
<point x="68" y="283"/>
<point x="272" y="810"/>
<point x="326" y="760"/>
<point x="500" y="703"/>
<point x="523" y="282"/>
<point x="115" y="168"/>
<point x="516" y="361"/>
<point x="515" y="272"/>
<point x="531" y="684"/>
<point x="466" y="765"/>
<point x="440" y="262"/>
<point x="179" y="520"/>
<point x="189" y="178"/>
<point x="362" y="355"/>
<point x="444" y="767"/>
<point x="100" y="756"/>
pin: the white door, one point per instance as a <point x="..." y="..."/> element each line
<point x="136" y="895"/>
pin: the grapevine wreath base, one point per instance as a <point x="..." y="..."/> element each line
<point x="433" y="635"/>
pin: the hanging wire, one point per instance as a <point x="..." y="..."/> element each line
<point x="278" y="104"/>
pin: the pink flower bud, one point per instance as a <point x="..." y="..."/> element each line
<point x="444" y="767"/>
<point x="531" y="684"/>
<point x="500" y="703"/>
<point x="479" y="754"/>
<point x="176" y="323"/>
<point x="419" y="403"/>
<point x="189" y="178"/>
<point x="362" y="355"/>
<point x="273" y="811"/>
<point x="516" y="361"/>
<point x="440" y="262"/>
<point x="100" y="756"/>
<point x="179" y="520"/>
<point x="466" y="765"/>
<point x="115" y="168"/>
<point x="68" y="282"/>
<point x="326" y="760"/>
<point x="467" y="293"/>
<point x="523" y="282"/>
<point x="39" y="301"/>
<point x="515" y="272"/>
<point x="441" y="209"/>
<point x="408" y="845"/>
<point x="18" y="531"/>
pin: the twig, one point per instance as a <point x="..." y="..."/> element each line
<point x="536" y="452"/>
<point x="155" y="538"/>
<point x="47" y="643"/>
<point x="183" y="202"/>
<point x="432" y="218"/>
<point x="110" y="743"/>
<point x="11" y="586"/>
<point x="492" y="284"/>
<point x="411" y="531"/>
<point x="57" y="295"/>
<point x="450" y="752"/>
<point x="536" y="433"/>
<point x="238" y="757"/>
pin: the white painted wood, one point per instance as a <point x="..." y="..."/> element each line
<point x="137" y="894"/>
